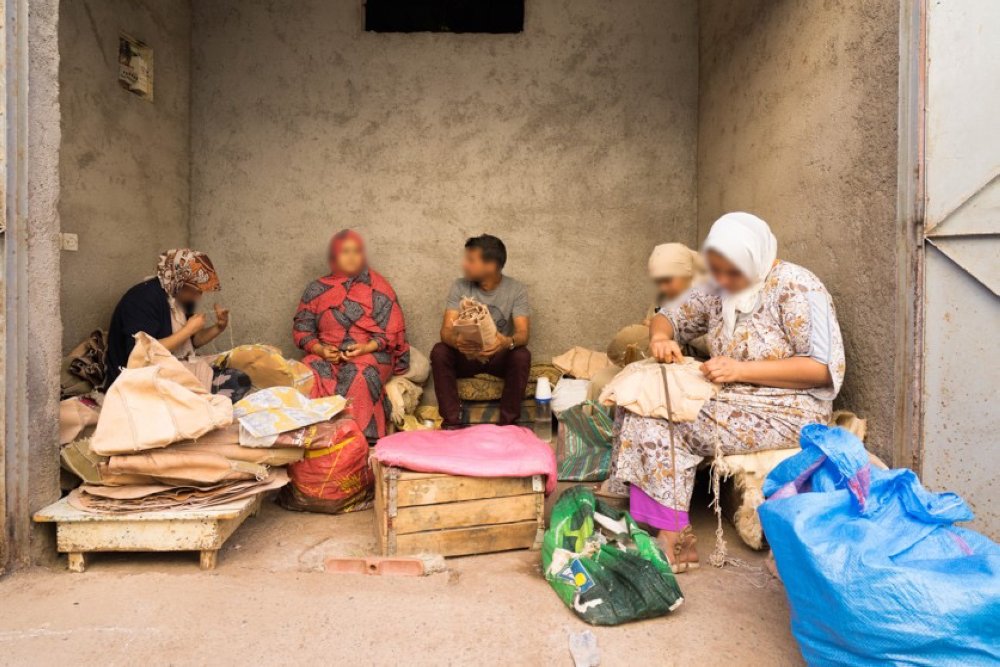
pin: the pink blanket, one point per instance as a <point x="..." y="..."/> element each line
<point x="485" y="450"/>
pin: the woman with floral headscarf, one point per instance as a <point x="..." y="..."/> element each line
<point x="776" y="355"/>
<point x="350" y="324"/>
<point x="163" y="306"/>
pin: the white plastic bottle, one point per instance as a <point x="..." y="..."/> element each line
<point x="543" y="409"/>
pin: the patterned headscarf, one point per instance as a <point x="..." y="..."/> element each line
<point x="182" y="266"/>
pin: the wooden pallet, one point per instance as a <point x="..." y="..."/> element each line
<point x="204" y="530"/>
<point x="418" y="512"/>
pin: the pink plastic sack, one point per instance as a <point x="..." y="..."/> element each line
<point x="486" y="450"/>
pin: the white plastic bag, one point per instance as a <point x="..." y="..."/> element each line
<point x="569" y="392"/>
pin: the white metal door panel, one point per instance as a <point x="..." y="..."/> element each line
<point x="961" y="383"/>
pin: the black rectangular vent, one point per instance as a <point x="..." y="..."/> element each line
<point x="491" y="16"/>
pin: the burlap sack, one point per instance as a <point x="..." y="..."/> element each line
<point x="475" y="324"/>
<point x="629" y="345"/>
<point x="154" y="402"/>
<point x="581" y="363"/>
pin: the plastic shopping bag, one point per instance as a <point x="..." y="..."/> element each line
<point x="602" y="565"/>
<point x="874" y="569"/>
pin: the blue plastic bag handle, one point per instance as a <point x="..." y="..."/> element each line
<point x="821" y="443"/>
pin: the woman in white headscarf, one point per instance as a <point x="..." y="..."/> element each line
<point x="776" y="351"/>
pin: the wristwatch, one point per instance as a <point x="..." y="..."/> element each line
<point x="511" y="346"/>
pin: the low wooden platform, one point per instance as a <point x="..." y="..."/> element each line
<point x="205" y="530"/>
<point x="418" y="512"/>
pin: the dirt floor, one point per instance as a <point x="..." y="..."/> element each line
<point x="270" y="603"/>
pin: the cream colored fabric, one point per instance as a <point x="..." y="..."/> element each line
<point x="420" y="367"/>
<point x="639" y="389"/>
<point x="403" y="395"/>
<point x="74" y="417"/>
<point x="271" y="456"/>
<point x="201" y="368"/>
<point x="154" y="402"/>
<point x="170" y="466"/>
<point x="747" y="242"/>
<point x="629" y="345"/>
<point x="78" y="458"/>
<point x="581" y="363"/>
<point x="600" y="381"/>
<point x="674" y="260"/>
<point x="160" y="497"/>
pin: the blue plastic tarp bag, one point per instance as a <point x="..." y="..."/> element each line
<point x="874" y="569"/>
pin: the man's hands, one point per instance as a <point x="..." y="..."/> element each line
<point x="467" y="347"/>
<point x="723" y="369"/>
<point x="665" y="350"/>
<point x="501" y="342"/>
<point x="221" y="317"/>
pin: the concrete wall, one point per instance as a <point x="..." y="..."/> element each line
<point x="574" y="142"/>
<point x="797" y="123"/>
<point x="125" y="161"/>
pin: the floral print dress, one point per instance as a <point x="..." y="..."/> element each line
<point x="795" y="317"/>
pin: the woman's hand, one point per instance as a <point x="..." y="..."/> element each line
<point x="221" y="317"/>
<point x="194" y="324"/>
<point x="326" y="352"/>
<point x="357" y="349"/>
<point x="665" y="350"/>
<point x="723" y="369"/>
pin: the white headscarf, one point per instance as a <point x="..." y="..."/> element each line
<point x="747" y="242"/>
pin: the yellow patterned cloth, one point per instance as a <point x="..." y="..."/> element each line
<point x="279" y="409"/>
<point x="267" y="367"/>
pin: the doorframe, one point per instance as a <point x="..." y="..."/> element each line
<point x="908" y="441"/>
<point x="30" y="346"/>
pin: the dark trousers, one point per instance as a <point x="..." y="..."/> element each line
<point x="448" y="364"/>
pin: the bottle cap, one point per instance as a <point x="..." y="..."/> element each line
<point x="543" y="390"/>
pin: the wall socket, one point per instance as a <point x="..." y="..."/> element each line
<point x="69" y="242"/>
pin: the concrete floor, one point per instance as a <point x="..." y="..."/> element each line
<point x="270" y="603"/>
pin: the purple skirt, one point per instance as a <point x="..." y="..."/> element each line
<point x="646" y="510"/>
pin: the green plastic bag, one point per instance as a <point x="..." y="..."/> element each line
<point x="603" y="566"/>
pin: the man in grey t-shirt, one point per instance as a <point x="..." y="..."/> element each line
<point x="508" y="357"/>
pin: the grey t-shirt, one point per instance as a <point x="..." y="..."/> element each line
<point x="508" y="300"/>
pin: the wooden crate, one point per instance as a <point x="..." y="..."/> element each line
<point x="204" y="530"/>
<point x="418" y="512"/>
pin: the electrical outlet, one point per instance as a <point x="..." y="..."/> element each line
<point x="70" y="242"/>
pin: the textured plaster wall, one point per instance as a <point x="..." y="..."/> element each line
<point x="574" y="142"/>
<point x="33" y="476"/>
<point x="797" y="123"/>
<point x="125" y="161"/>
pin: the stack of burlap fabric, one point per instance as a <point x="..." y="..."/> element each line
<point x="163" y="441"/>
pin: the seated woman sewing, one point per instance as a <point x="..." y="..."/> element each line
<point x="164" y="307"/>
<point x="777" y="351"/>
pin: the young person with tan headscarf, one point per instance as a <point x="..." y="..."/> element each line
<point x="675" y="269"/>
<point x="776" y="350"/>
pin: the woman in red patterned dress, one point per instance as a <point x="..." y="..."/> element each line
<point x="352" y="328"/>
